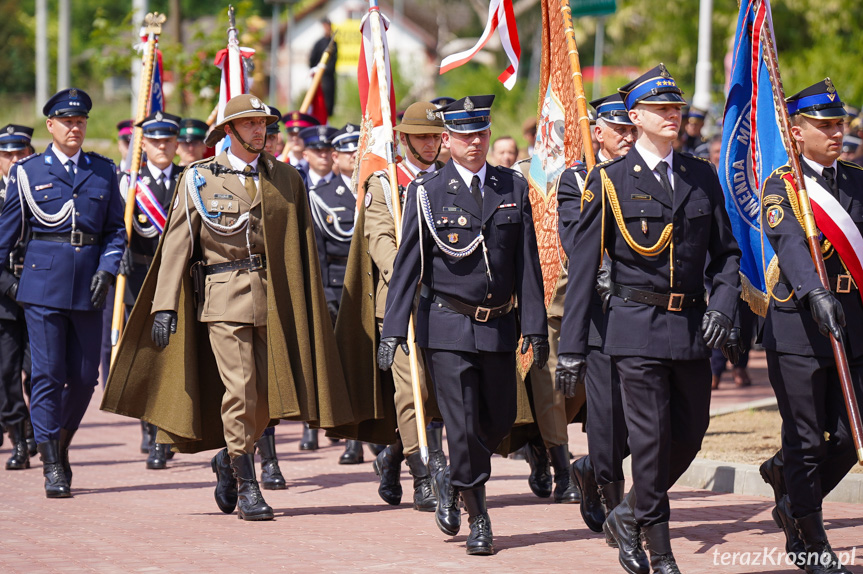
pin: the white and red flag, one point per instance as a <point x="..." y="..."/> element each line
<point x="502" y="18"/>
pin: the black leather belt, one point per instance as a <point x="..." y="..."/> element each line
<point x="670" y="301"/>
<point x="841" y="283"/>
<point x="481" y="314"/>
<point x="253" y="263"/>
<point x="76" y="238"/>
<point x="141" y="259"/>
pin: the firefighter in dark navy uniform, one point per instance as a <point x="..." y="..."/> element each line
<point x="72" y="203"/>
<point x="469" y="240"/>
<point x="659" y="215"/>
<point x="800" y="360"/>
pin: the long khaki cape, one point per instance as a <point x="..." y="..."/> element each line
<point x="179" y="389"/>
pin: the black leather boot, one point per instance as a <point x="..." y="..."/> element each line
<point x="28" y="435"/>
<point x="388" y="466"/>
<point x="782" y="517"/>
<point x="271" y="474"/>
<point x="480" y="541"/>
<point x="591" y="503"/>
<point x="145" y="437"/>
<point x="20" y="458"/>
<point x="56" y="485"/>
<point x="310" y="438"/>
<point x="65" y="440"/>
<point x="657" y="540"/>
<point x="437" y="459"/>
<point x="772" y="472"/>
<point x="611" y="495"/>
<point x="447" y="514"/>
<point x="157" y="460"/>
<point x="376" y="448"/>
<point x="818" y="557"/>
<point x="353" y="453"/>
<point x="565" y="489"/>
<point x="424" y="497"/>
<point x="250" y="502"/>
<point x="540" y="474"/>
<point x="226" y="484"/>
<point x="620" y="526"/>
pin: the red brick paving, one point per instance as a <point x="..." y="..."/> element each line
<point x="124" y="518"/>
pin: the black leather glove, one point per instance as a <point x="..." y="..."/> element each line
<point x="603" y="284"/>
<point x="540" y="349"/>
<point x="334" y="310"/>
<point x="164" y="324"/>
<point x="571" y="368"/>
<point x="126" y="264"/>
<point x="387" y="351"/>
<point x="716" y="328"/>
<point x="99" y="288"/>
<point x="12" y="291"/>
<point x="733" y="347"/>
<point x="827" y="312"/>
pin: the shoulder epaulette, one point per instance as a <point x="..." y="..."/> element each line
<point x="850" y="164"/>
<point x="28" y="158"/>
<point x="780" y="171"/>
<point x="427" y="176"/>
<point x="100" y="156"/>
<point x="693" y="156"/>
<point x="609" y="161"/>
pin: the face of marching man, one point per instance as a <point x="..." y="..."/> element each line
<point x="659" y="121"/>
<point x="252" y="130"/>
<point x="819" y="139"/>
<point x="160" y="151"/>
<point x="468" y="150"/>
<point x="68" y="133"/>
<point x="614" y="139"/>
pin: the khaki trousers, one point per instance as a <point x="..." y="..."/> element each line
<point x="404" y="397"/>
<point x="241" y="355"/>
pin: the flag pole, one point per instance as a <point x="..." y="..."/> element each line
<point x="153" y="22"/>
<point x="580" y="99"/>
<point x="387" y="133"/>
<point x="811" y="232"/>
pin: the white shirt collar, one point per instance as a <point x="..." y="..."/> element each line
<point x="240" y="165"/>
<point x="315" y="179"/>
<point x="348" y="182"/>
<point x="467" y="175"/>
<point x="414" y="169"/>
<point x="601" y="156"/>
<point x="156" y="172"/>
<point x="64" y="158"/>
<point x="817" y="167"/>
<point x="651" y="159"/>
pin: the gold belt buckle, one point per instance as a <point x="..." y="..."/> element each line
<point x="843" y="284"/>
<point x="675" y="301"/>
<point x="482" y="314"/>
<point x="256" y="261"/>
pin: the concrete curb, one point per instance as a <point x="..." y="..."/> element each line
<point x="729" y="477"/>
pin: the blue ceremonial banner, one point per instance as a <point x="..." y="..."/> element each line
<point x="752" y="149"/>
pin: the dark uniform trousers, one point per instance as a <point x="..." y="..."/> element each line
<point x="471" y="363"/>
<point x="660" y="356"/>
<point x="55" y="282"/>
<point x="333" y="209"/>
<point x="800" y="360"/>
<point x="606" y="423"/>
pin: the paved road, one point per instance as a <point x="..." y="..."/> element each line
<point x="124" y="518"/>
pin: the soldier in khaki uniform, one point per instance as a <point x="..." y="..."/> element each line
<point x="420" y="137"/>
<point x="225" y="223"/>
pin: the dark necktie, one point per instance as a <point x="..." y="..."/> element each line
<point x="829" y="174"/>
<point x="251" y="188"/>
<point x="475" y="190"/>
<point x="70" y="168"/>
<point x="662" y="170"/>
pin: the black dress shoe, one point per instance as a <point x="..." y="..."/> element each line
<point x="447" y="514"/>
<point x="353" y="453"/>
<point x="611" y="495"/>
<point x="773" y="474"/>
<point x="480" y="541"/>
<point x="250" y="502"/>
<point x="20" y="458"/>
<point x="565" y="489"/>
<point x="818" y="556"/>
<point x="591" y="504"/>
<point x="783" y="519"/>
<point x="424" y="497"/>
<point x="310" y="438"/>
<point x="271" y="474"/>
<point x="658" y="541"/>
<point x="66" y="440"/>
<point x="539" y="480"/>
<point x="387" y="466"/>
<point x="158" y="458"/>
<point x="226" y="484"/>
<point x="55" y="480"/>
<point x="622" y="528"/>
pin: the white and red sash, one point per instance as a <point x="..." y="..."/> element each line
<point x="838" y="227"/>
<point x="150" y="206"/>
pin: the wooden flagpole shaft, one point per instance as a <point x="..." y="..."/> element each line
<point x="154" y="23"/>
<point x="811" y="232"/>
<point x="318" y="77"/>
<point x="580" y="99"/>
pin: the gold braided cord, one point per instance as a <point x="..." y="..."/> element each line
<point x="792" y="199"/>
<point x="655" y="249"/>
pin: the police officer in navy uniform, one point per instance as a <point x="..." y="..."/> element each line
<point x="600" y="473"/>
<point x="801" y="316"/>
<point x="663" y="215"/>
<point x="72" y="203"/>
<point x="474" y="254"/>
<point x="14" y="416"/>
